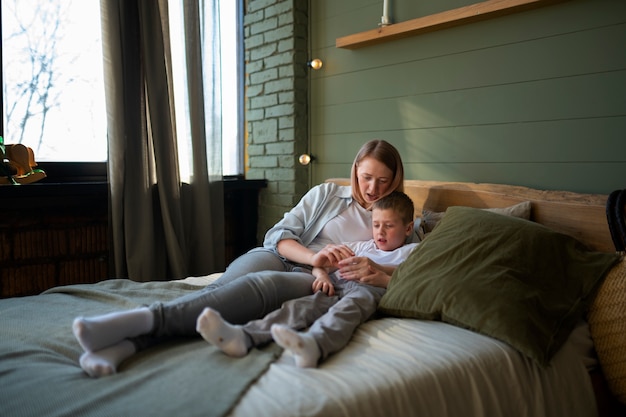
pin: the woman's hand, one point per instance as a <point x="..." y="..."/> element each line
<point x="330" y="255"/>
<point x="365" y="271"/>
<point x="322" y="282"/>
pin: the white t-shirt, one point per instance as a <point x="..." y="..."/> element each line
<point x="351" y="225"/>
<point x="368" y="248"/>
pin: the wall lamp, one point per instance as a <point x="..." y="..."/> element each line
<point x="315" y="63"/>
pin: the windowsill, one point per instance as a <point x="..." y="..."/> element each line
<point x="49" y="195"/>
<point x="73" y="172"/>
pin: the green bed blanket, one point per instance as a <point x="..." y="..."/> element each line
<point x="40" y="374"/>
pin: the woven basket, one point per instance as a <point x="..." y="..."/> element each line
<point x="607" y="323"/>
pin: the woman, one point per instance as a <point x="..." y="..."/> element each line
<point x="259" y="281"/>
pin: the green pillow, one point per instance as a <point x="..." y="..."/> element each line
<point x="505" y="277"/>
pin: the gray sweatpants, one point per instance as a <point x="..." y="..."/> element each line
<point x="332" y="320"/>
<point x="254" y="285"/>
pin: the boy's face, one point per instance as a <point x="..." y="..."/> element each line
<point x="389" y="230"/>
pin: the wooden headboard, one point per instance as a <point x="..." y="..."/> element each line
<point x="582" y="216"/>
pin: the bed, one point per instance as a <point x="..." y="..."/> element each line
<point x="401" y="363"/>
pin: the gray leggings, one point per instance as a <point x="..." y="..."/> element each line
<point x="255" y="284"/>
<point x="332" y="320"/>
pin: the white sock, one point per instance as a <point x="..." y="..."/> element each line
<point x="105" y="362"/>
<point x="301" y="345"/>
<point x="230" y="338"/>
<point x="99" y="332"/>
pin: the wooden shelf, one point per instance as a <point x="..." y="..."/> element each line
<point x="455" y="17"/>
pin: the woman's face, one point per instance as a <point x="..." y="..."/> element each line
<point x="374" y="179"/>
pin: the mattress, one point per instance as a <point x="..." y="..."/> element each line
<point x="405" y="367"/>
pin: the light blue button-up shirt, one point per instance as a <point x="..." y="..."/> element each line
<point x="305" y="221"/>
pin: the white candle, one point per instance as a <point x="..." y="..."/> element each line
<point x="385" y="19"/>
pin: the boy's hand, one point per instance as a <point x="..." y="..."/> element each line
<point x="322" y="282"/>
<point x="356" y="267"/>
<point x="376" y="278"/>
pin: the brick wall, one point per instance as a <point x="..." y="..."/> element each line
<point x="276" y="55"/>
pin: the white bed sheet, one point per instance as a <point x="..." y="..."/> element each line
<point x="404" y="367"/>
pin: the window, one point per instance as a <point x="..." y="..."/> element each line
<point x="231" y="50"/>
<point x="53" y="88"/>
<point x="231" y="21"/>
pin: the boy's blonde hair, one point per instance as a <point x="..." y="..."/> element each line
<point x="398" y="202"/>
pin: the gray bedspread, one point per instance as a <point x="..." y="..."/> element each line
<point x="40" y="374"/>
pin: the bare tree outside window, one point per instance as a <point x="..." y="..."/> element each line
<point x="53" y="86"/>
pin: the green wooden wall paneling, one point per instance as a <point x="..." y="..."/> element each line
<point x="590" y="96"/>
<point x="568" y="55"/>
<point x="536" y="98"/>
<point x="527" y="142"/>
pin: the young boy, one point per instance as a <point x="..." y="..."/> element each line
<point x="332" y="318"/>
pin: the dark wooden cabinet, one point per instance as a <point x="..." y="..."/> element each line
<point x="58" y="234"/>
<point x="241" y="214"/>
<point x="52" y="234"/>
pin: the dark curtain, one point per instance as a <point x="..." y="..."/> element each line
<point x="163" y="227"/>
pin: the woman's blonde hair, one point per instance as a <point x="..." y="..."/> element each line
<point x="383" y="152"/>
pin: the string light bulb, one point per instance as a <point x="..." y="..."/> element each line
<point x="305" y="159"/>
<point x="316" y="63"/>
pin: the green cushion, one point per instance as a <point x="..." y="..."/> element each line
<point x="521" y="210"/>
<point x="505" y="277"/>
